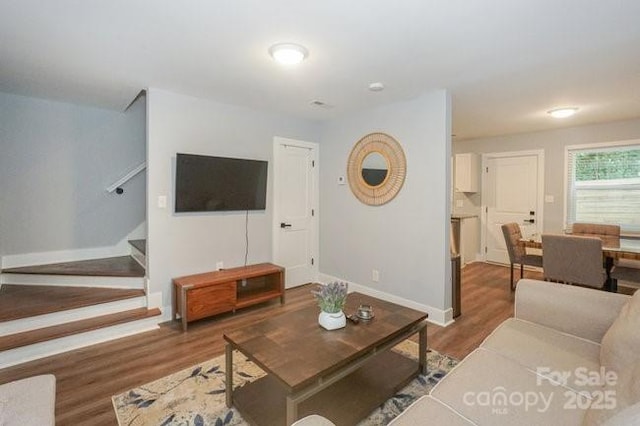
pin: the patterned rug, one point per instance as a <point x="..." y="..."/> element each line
<point x="195" y="396"/>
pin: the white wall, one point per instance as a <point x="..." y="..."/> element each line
<point x="407" y="239"/>
<point x="182" y="244"/>
<point x="553" y="142"/>
<point x="56" y="160"/>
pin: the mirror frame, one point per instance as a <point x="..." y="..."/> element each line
<point x="392" y="152"/>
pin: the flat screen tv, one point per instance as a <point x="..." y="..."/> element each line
<point x="205" y="184"/>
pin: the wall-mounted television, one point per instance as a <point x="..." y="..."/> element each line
<point x="205" y="184"/>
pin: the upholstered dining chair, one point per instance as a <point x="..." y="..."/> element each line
<point x="573" y="260"/>
<point x="517" y="253"/>
<point x="599" y="229"/>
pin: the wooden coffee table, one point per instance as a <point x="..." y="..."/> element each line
<point x="341" y="374"/>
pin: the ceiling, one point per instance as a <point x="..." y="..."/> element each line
<point x="505" y="62"/>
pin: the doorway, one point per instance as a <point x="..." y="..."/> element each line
<point x="295" y="210"/>
<point x="512" y="191"/>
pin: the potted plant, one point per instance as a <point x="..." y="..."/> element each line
<point x="331" y="299"/>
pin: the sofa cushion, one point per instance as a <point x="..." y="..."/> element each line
<point x="490" y="389"/>
<point x="630" y="416"/>
<point x="428" y="410"/>
<point x="621" y="343"/>
<point x="547" y="351"/>
<point x="618" y="396"/>
<point x="29" y="402"/>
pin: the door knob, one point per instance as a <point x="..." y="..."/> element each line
<point x="285" y="225"/>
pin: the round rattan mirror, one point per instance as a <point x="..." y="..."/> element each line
<point x="376" y="169"/>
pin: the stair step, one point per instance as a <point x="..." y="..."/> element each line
<point x="140" y="245"/>
<point x="23" y="301"/>
<point x="26" y="338"/>
<point x="121" y="266"/>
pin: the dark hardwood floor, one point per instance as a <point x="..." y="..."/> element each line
<point x="88" y="377"/>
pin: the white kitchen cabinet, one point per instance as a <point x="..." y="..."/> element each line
<point x="466" y="172"/>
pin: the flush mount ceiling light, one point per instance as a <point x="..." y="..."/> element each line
<point x="562" y="112"/>
<point x="288" y="53"/>
<point x="376" y="87"/>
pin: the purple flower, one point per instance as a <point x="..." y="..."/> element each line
<point x="331" y="297"/>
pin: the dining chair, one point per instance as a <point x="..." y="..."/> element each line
<point x="573" y="260"/>
<point x="517" y="253"/>
<point x="626" y="270"/>
<point x="599" y="229"/>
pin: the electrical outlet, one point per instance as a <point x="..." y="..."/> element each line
<point x="375" y="275"/>
<point x="219" y="265"/>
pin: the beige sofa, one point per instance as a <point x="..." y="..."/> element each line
<point x="570" y="356"/>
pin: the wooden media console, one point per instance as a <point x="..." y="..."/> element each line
<point x="211" y="293"/>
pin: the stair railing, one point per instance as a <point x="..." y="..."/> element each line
<point x="117" y="185"/>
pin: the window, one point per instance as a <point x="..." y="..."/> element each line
<point x="603" y="184"/>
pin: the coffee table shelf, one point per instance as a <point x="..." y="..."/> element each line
<point x="346" y="402"/>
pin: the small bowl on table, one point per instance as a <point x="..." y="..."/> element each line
<point x="365" y="312"/>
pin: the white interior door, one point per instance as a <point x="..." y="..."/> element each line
<point x="295" y="210"/>
<point x="512" y="192"/>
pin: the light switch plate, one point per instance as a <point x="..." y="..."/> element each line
<point x="341" y="180"/>
<point x="162" y="201"/>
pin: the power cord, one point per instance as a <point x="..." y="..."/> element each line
<point x="246" y="237"/>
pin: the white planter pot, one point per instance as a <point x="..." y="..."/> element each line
<point x="332" y="321"/>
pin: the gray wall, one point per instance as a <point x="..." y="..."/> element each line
<point x="553" y="143"/>
<point x="406" y="239"/>
<point x="181" y="244"/>
<point x="56" y="161"/>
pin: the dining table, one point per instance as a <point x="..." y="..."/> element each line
<point x="613" y="248"/>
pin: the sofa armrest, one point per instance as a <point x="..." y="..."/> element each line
<point x="582" y="312"/>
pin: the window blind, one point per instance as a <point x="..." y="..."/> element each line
<point x="603" y="185"/>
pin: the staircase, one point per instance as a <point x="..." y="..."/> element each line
<point x="48" y="309"/>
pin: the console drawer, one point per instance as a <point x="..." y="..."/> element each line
<point x="211" y="300"/>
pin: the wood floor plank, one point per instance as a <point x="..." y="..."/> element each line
<point x="23" y="301"/>
<point x="120" y="266"/>
<point x="88" y="377"/>
<point x="17" y="340"/>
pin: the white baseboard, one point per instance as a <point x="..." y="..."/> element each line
<point x="74" y="281"/>
<point x="44" y="258"/>
<point x="436" y="316"/>
<point x="122" y="248"/>
<point x="40" y="350"/>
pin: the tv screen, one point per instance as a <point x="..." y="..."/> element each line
<point x="205" y="183"/>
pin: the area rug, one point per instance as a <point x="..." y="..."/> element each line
<point x="195" y="396"/>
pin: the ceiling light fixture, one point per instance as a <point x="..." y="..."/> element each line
<point x="562" y="112"/>
<point x="376" y="87"/>
<point x="288" y="53"/>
